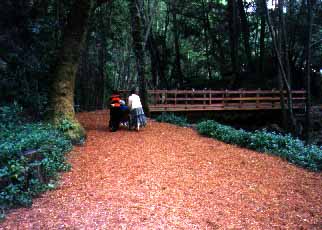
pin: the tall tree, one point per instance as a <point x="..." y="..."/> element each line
<point x="262" y="37"/>
<point x="245" y="33"/>
<point x="206" y="25"/>
<point x="283" y="78"/>
<point x="177" y="70"/>
<point x="61" y="100"/>
<point x="308" y="69"/>
<point x="138" y="46"/>
<point x="233" y="40"/>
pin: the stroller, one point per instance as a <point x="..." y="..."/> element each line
<point x="124" y="115"/>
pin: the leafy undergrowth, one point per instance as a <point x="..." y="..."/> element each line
<point x="284" y="146"/>
<point x="31" y="155"/>
<point x="172" y="119"/>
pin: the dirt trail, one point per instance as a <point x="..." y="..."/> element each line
<point x="168" y="177"/>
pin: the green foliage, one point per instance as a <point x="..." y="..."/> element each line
<point x="285" y="146"/>
<point x="72" y="130"/>
<point x="19" y="181"/>
<point x="173" y="119"/>
<point x="65" y="125"/>
<point x="10" y="115"/>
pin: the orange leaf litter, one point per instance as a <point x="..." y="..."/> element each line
<point x="168" y="177"/>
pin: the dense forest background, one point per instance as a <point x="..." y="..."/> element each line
<point x="186" y="44"/>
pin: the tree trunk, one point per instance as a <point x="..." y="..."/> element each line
<point x="284" y="49"/>
<point x="137" y="36"/>
<point x="220" y="58"/>
<point x="246" y="34"/>
<point x="233" y="40"/>
<point x="282" y="70"/>
<point x="308" y="69"/>
<point x="156" y="62"/>
<point x="285" y="55"/>
<point x="285" y="124"/>
<point x="164" y="51"/>
<point x="177" y="71"/>
<point x="262" y="41"/>
<point x="61" y="99"/>
<point x="206" y="24"/>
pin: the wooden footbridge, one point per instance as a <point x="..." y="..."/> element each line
<point x="208" y="100"/>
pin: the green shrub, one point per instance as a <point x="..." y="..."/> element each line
<point x="285" y="146"/>
<point x="10" y="115"/>
<point x="65" y="125"/>
<point x="19" y="182"/>
<point x="173" y="119"/>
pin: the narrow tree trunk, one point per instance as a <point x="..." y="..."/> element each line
<point x="156" y="62"/>
<point x="220" y="58"/>
<point x="285" y="124"/>
<point x="277" y="50"/>
<point x="101" y="79"/>
<point x="206" y="25"/>
<point x="233" y="40"/>
<point x="282" y="99"/>
<point x="62" y="89"/>
<point x="284" y="49"/>
<point x="246" y="34"/>
<point x="285" y="53"/>
<point x="137" y="36"/>
<point x="164" y="54"/>
<point x="262" y="42"/>
<point x="177" y="71"/>
<point x="308" y="76"/>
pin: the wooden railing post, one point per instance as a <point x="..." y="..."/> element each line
<point x="273" y="97"/>
<point x="241" y="96"/>
<point x="257" y="96"/>
<point x="224" y="98"/>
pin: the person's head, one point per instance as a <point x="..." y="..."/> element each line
<point x="114" y="91"/>
<point x="133" y="91"/>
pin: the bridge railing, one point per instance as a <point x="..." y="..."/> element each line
<point x="181" y="100"/>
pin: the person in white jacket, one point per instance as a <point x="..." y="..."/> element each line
<point x="137" y="117"/>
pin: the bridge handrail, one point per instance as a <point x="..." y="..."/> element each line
<point x="240" y="99"/>
<point x="162" y="96"/>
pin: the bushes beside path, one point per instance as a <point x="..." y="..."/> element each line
<point x="285" y="146"/>
<point x="31" y="155"/>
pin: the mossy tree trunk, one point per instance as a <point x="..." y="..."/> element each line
<point x="61" y="101"/>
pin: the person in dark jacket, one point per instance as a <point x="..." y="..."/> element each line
<point x="115" y="111"/>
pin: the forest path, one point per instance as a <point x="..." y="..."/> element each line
<point x="169" y="177"/>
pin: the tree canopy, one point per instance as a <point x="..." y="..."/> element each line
<point x="152" y="44"/>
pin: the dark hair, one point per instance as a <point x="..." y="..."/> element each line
<point x="133" y="91"/>
<point x="115" y="91"/>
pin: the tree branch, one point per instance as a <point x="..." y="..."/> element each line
<point x="315" y="43"/>
<point x="101" y="2"/>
